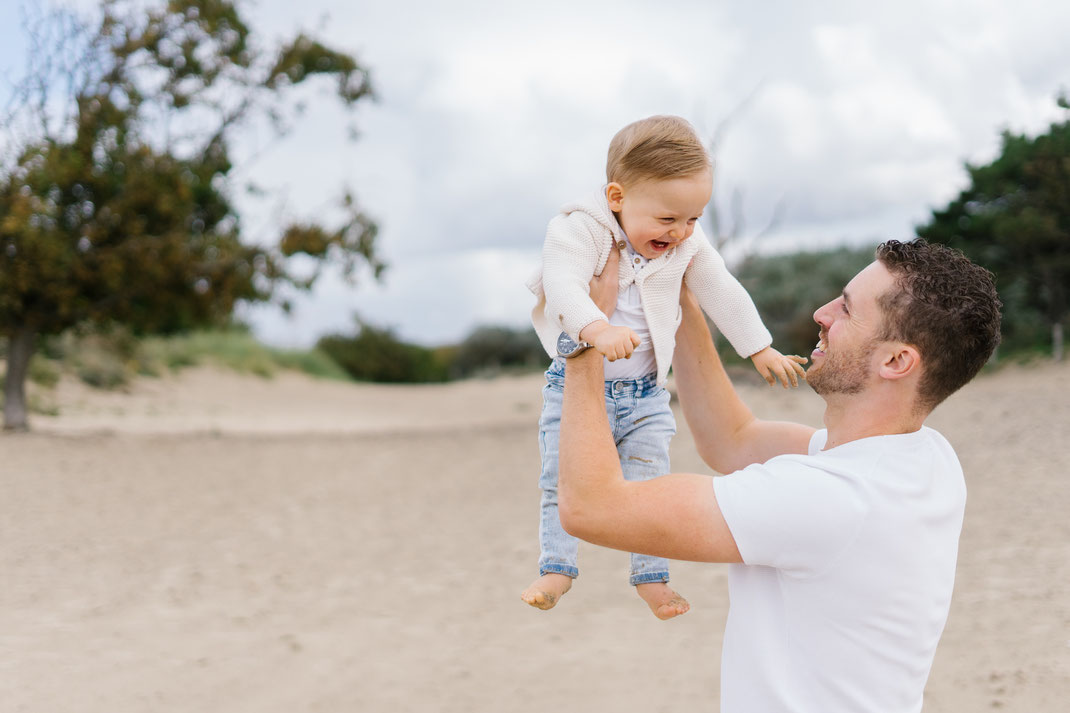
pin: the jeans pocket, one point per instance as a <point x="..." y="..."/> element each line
<point x="555" y="375"/>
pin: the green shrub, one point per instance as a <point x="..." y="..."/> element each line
<point x="490" y="350"/>
<point x="375" y="354"/>
<point x="43" y="371"/>
<point x="101" y="369"/>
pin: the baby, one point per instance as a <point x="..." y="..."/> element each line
<point x="659" y="181"/>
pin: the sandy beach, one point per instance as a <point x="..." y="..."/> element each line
<point x="217" y="542"/>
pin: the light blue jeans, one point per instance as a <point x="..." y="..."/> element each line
<point x="642" y="424"/>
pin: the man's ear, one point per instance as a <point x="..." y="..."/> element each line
<point x="900" y="360"/>
<point x="615" y="196"/>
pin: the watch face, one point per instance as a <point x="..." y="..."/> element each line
<point x="566" y="344"/>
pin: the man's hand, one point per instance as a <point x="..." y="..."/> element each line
<point x="604" y="286"/>
<point x="773" y="365"/>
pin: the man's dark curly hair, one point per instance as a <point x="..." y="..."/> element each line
<point x="946" y="307"/>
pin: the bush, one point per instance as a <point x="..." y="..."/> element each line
<point x="375" y="354"/>
<point x="104" y="359"/>
<point x="100" y="369"/>
<point x="490" y="350"/>
<point x="43" y="372"/>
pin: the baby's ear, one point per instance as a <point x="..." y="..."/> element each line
<point x="614" y="196"/>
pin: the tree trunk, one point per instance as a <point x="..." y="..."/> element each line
<point x="1057" y="341"/>
<point x="19" y="350"/>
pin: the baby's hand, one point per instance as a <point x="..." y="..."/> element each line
<point x="773" y="365"/>
<point x="613" y="341"/>
<point x="616" y="342"/>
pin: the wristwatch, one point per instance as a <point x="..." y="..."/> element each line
<point x="567" y="347"/>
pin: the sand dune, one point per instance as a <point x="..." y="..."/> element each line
<point x="215" y="542"/>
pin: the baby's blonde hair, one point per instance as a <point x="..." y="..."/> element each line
<point x="655" y="148"/>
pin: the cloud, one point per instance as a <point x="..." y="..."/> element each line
<point x="429" y="300"/>
<point x="491" y="115"/>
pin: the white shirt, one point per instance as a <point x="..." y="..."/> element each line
<point x="629" y="313"/>
<point x="849" y="565"/>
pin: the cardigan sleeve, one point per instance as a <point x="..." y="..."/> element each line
<point x="725" y="300"/>
<point x="570" y="257"/>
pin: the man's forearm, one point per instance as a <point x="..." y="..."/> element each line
<point x="727" y="435"/>
<point x="589" y="470"/>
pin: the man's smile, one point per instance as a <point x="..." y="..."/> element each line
<point x="822" y="345"/>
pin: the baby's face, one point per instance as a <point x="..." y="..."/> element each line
<point x="659" y="215"/>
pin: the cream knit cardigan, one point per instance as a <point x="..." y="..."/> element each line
<point x="578" y="241"/>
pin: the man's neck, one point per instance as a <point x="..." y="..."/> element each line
<point x="850" y="417"/>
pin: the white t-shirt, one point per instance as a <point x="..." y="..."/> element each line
<point x="849" y="565"/>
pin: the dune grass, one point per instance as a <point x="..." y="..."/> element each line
<point x="235" y="349"/>
<point x="111" y="360"/>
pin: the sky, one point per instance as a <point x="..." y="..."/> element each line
<point x="850" y="121"/>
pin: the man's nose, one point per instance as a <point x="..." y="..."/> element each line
<point x="820" y="314"/>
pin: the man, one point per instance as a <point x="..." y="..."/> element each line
<point x="844" y="540"/>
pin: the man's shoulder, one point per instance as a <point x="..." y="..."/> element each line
<point x="935" y="438"/>
<point x="801" y="471"/>
<point x="793" y="512"/>
<point x="893" y="462"/>
<point x="925" y="439"/>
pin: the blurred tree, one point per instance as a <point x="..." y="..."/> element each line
<point x="721" y="233"/>
<point x="114" y="204"/>
<point x="1015" y="220"/>
<point x="787" y="289"/>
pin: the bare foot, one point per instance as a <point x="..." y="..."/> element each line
<point x="544" y="592"/>
<point x="662" y="600"/>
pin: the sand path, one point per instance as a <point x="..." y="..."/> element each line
<point x="215" y="542"/>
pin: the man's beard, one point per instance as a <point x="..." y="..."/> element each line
<point x="841" y="372"/>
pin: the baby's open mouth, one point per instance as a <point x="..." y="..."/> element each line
<point x="659" y="244"/>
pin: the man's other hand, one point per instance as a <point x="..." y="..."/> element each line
<point x="604" y="286"/>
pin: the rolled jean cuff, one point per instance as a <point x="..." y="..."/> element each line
<point x="555" y="568"/>
<point x="647" y="577"/>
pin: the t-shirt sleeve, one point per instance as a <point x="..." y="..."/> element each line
<point x="789" y="513"/>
